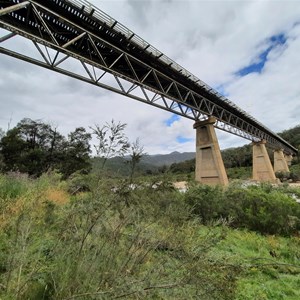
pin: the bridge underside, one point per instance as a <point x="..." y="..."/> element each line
<point x="75" y="38"/>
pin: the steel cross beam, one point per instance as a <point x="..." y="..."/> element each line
<point x="112" y="57"/>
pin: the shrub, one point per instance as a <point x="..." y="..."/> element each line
<point x="260" y="208"/>
<point x="206" y="202"/>
<point x="268" y="212"/>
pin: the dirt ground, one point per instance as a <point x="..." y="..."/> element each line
<point x="294" y="184"/>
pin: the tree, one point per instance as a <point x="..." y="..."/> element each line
<point x="237" y="157"/>
<point x="112" y="140"/>
<point x="136" y="153"/>
<point x="23" y="147"/>
<point x="12" y="147"/>
<point x="34" y="147"/>
<point x="77" y="152"/>
<point x="2" y="133"/>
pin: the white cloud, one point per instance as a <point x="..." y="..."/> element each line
<point x="274" y="95"/>
<point x="212" y="39"/>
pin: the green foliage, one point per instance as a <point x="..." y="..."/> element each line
<point x="295" y="172"/>
<point x="265" y="210"/>
<point x="292" y="135"/>
<point x="237" y="157"/>
<point x="292" y="176"/>
<point x="260" y="208"/>
<point x="98" y="247"/>
<point x="264" y="276"/>
<point x="34" y="147"/>
<point x="183" y="167"/>
<point x="76" y="154"/>
<point x="13" y="186"/>
<point x="112" y="140"/>
<point x="206" y="202"/>
<point x="131" y="241"/>
<point x="241" y="173"/>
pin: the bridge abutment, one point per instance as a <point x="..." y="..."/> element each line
<point x="262" y="167"/>
<point x="280" y="162"/>
<point x="209" y="163"/>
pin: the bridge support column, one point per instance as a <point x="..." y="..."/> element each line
<point x="280" y="162"/>
<point x="288" y="159"/>
<point x="262" y="167"/>
<point x="209" y="163"/>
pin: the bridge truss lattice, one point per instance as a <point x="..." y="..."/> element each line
<point x="111" y="56"/>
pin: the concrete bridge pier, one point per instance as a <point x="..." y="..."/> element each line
<point x="209" y="163"/>
<point x="288" y="159"/>
<point x="280" y="162"/>
<point x="262" y="167"/>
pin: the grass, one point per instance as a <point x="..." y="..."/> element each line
<point x="264" y="276"/>
<point x="58" y="242"/>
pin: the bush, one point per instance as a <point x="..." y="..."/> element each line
<point x="260" y="208"/>
<point x="241" y="173"/>
<point x="268" y="212"/>
<point x="287" y="176"/>
<point x="206" y="202"/>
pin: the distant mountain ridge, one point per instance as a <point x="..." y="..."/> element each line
<point x="149" y="164"/>
<point x="167" y="159"/>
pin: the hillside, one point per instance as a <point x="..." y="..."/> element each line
<point x="167" y="159"/>
<point x="241" y="157"/>
<point x="237" y="161"/>
<point x="292" y="135"/>
<point x="149" y="164"/>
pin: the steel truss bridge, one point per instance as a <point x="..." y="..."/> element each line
<point x="113" y="57"/>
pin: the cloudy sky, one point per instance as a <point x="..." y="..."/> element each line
<point x="247" y="50"/>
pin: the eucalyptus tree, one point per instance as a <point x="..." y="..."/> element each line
<point x="35" y="147"/>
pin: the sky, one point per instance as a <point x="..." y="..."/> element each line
<point x="248" y="50"/>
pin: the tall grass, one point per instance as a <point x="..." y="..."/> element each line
<point x="111" y="240"/>
<point x="131" y="244"/>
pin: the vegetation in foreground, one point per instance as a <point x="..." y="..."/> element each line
<point x="100" y="236"/>
<point x="90" y="238"/>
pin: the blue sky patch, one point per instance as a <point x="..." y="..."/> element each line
<point x="172" y="119"/>
<point x="182" y="140"/>
<point x="257" y="67"/>
<point x="222" y="90"/>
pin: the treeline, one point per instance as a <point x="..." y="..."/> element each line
<point x="34" y="147"/>
<point x="292" y="136"/>
<point x="233" y="158"/>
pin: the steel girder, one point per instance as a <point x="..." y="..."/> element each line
<point x="114" y="58"/>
